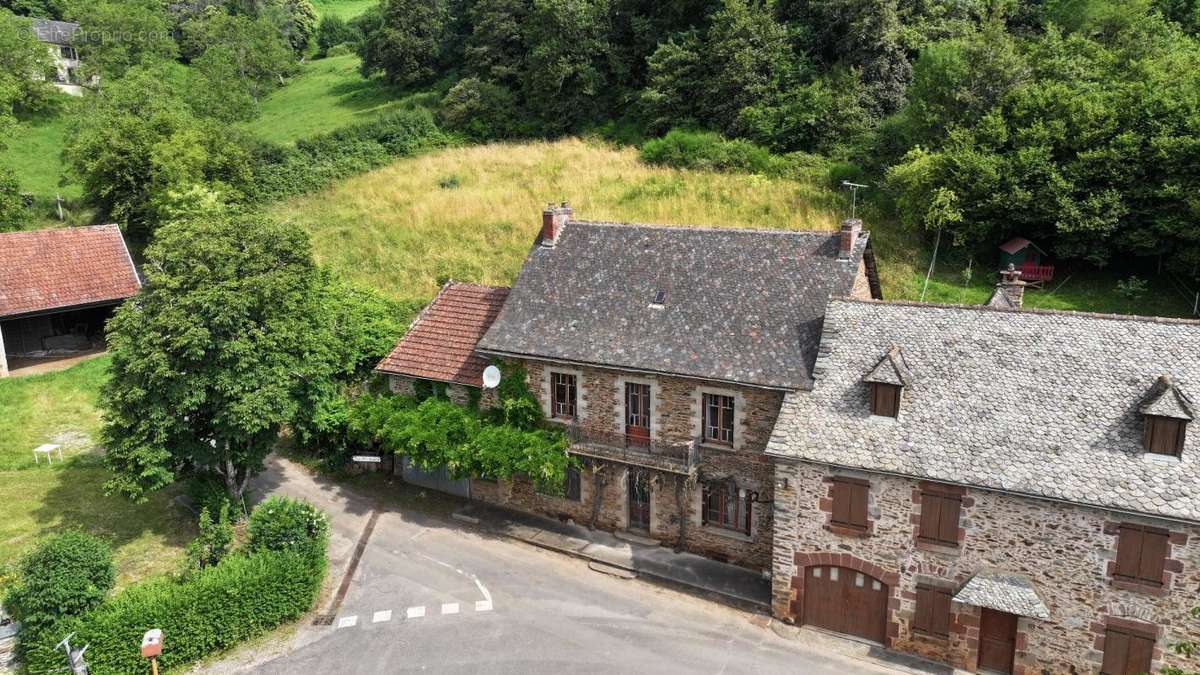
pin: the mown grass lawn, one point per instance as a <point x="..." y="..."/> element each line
<point x="346" y="9"/>
<point x="40" y="499"/>
<point x="327" y="94"/>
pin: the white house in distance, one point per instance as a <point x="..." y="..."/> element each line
<point x="57" y="288"/>
<point x="59" y="36"/>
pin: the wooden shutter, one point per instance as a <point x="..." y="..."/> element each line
<point x="1129" y="552"/>
<point x="850" y="503"/>
<point x="885" y="399"/>
<point x="1154" y="556"/>
<point x="933" y="611"/>
<point x="1164" y="435"/>
<point x="948" y="526"/>
<point x="931" y="516"/>
<point x="1126" y="653"/>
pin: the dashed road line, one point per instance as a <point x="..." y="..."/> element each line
<point x="450" y="608"/>
<point x="347" y="621"/>
<point x="385" y="615"/>
<point x="416" y="612"/>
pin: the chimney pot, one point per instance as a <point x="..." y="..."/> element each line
<point x="851" y="227"/>
<point x="553" y="220"/>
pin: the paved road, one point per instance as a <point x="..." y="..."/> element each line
<point x="430" y="595"/>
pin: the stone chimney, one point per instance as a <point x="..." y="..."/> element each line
<point x="851" y="227"/>
<point x="553" y="220"/>
<point x="1011" y="285"/>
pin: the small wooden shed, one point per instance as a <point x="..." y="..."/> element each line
<point x="1025" y="256"/>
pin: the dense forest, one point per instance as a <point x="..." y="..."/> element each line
<point x="1072" y="122"/>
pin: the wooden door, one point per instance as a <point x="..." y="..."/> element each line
<point x="639" y="501"/>
<point x="637" y="413"/>
<point x="997" y="641"/>
<point x="843" y="600"/>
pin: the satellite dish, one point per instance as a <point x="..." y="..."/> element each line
<point x="491" y="377"/>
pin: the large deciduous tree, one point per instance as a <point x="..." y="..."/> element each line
<point x="406" y="40"/>
<point x="208" y="358"/>
<point x="116" y="35"/>
<point x="239" y="60"/>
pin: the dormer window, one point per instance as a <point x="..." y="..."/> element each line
<point x="1166" y="411"/>
<point x="888" y="379"/>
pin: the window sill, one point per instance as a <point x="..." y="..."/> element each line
<point x="1157" y="458"/>
<point x="726" y="533"/>
<point x="713" y="445"/>
<point x="1143" y="587"/>
<point x="848" y="531"/>
<point x="882" y="419"/>
<point x="933" y="547"/>
<point x="930" y="636"/>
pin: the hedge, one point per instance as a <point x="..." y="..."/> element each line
<point x="219" y="607"/>
<point x="283" y="171"/>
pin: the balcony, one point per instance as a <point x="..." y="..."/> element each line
<point x="681" y="458"/>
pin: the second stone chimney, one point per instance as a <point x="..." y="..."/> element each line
<point x="851" y="227"/>
<point x="553" y="220"/>
<point x="1011" y="285"/>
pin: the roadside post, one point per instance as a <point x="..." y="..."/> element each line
<point x="152" y="647"/>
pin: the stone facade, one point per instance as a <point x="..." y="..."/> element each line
<point x="1065" y="551"/>
<point x="676" y="499"/>
<point x="458" y="393"/>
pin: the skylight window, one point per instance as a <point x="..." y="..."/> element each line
<point x="659" y="297"/>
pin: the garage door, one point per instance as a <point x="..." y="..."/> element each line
<point x="438" y="479"/>
<point x="843" y="600"/>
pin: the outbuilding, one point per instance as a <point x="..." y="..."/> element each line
<point x="57" y="288"/>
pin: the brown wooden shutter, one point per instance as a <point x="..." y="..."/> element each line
<point x="1165" y="435"/>
<point x="842" y="496"/>
<point x="931" y="516"/>
<point x="858" y="505"/>
<point x="1141" y="654"/>
<point x="923" y="620"/>
<point x="941" y="612"/>
<point x="1129" y="552"/>
<point x="1154" y="556"/>
<point x="948" y="526"/>
<point x="885" y="399"/>
<point x="1116" y="653"/>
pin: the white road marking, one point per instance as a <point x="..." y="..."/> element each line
<point x="416" y="612"/>
<point x="483" y="605"/>
<point x="347" y="621"/>
<point x="486" y="596"/>
<point x="385" y="615"/>
<point x="450" y="608"/>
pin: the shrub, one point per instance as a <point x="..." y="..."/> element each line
<point x="242" y="597"/>
<point x="208" y="492"/>
<point x="479" y="110"/>
<point x="334" y="33"/>
<point x="65" y="576"/>
<point x="288" y="525"/>
<point x="282" y="171"/>
<point x="213" y="542"/>
<point x="705" y="150"/>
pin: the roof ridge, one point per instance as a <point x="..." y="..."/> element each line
<point x="702" y="228"/>
<point x="1023" y="310"/>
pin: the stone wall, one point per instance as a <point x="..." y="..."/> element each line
<point x="675" y="418"/>
<point x="458" y="393"/>
<point x="1064" y="550"/>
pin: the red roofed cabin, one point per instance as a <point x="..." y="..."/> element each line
<point x="1026" y="258"/>
<point x="57" y="288"/>
<point x="440" y="344"/>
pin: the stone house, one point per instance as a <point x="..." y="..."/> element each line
<point x="57" y="289"/>
<point x="665" y="353"/>
<point x="995" y="488"/>
<point x="59" y="37"/>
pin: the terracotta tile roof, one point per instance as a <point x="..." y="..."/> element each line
<point x="65" y="267"/>
<point x="440" y="344"/>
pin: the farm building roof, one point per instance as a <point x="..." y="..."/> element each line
<point x="734" y="305"/>
<point x="440" y="343"/>
<point x="43" y="270"/>
<point x="1043" y="403"/>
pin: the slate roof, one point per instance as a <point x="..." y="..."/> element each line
<point x="59" y="268"/>
<point x="739" y="305"/>
<point x="440" y="343"/>
<point x="1003" y="592"/>
<point x="1027" y="401"/>
<point x="1001" y="300"/>
<point x="54" y="32"/>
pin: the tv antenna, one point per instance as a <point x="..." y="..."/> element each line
<point x="854" y="195"/>
<point x="75" y="662"/>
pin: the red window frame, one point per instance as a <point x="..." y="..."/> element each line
<point x="725" y="509"/>
<point x="718" y="419"/>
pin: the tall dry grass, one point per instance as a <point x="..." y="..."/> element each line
<point x="471" y="213"/>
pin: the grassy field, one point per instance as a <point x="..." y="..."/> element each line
<point x="327" y="94"/>
<point x="471" y="214"/>
<point x="346" y="9"/>
<point x="39" y="499"/>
